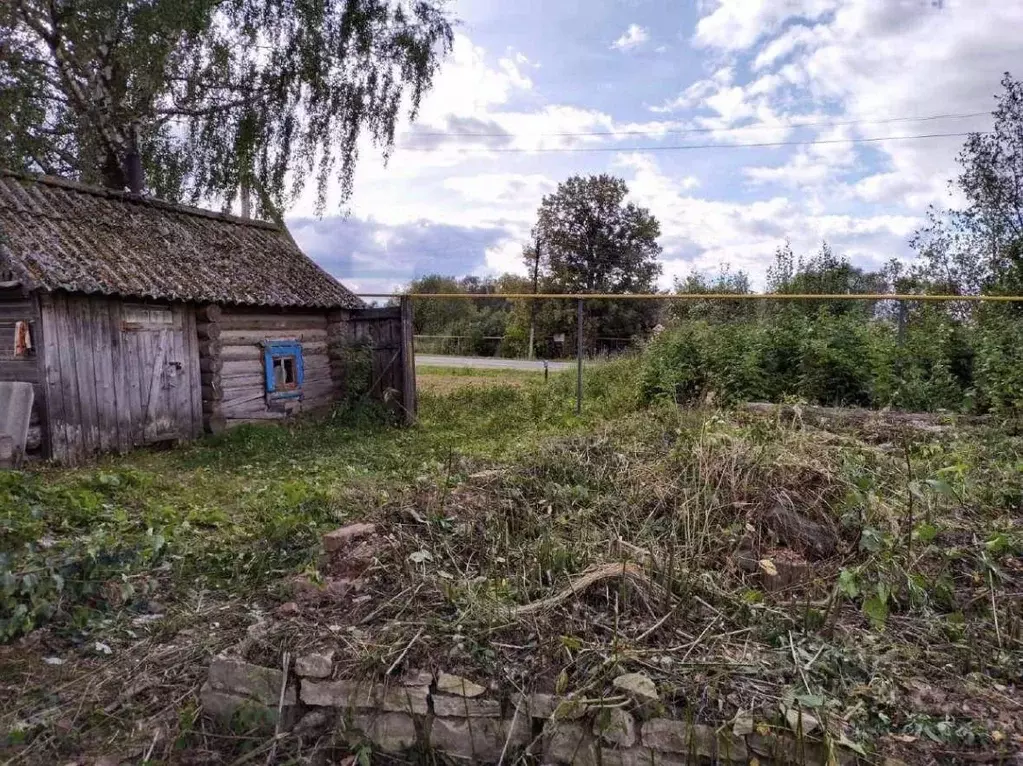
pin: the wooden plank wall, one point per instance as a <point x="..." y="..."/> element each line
<point x="388" y="332"/>
<point x="241" y="332"/>
<point x="99" y="377"/>
<point x="18" y="306"/>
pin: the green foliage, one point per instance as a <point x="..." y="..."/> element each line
<point x="847" y="359"/>
<point x="998" y="364"/>
<point x="591" y="240"/>
<point x="479" y="327"/>
<point x="214" y="94"/>
<point x="725" y="282"/>
<point x="980" y="247"/>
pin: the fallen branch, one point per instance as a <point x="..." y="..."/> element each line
<point x="605" y="572"/>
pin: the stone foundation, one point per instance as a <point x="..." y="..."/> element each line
<point x="468" y="722"/>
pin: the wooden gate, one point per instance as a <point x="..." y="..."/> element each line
<point x="387" y="333"/>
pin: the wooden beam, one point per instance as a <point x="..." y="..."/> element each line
<point x="211" y="312"/>
<point x="207" y="330"/>
<point x="211" y="363"/>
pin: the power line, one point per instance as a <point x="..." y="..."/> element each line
<point x="691" y="147"/>
<point x="724" y="297"/>
<point x="687" y="131"/>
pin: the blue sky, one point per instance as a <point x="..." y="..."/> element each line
<point x="538" y="78"/>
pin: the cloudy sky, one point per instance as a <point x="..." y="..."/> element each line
<point x="538" y="90"/>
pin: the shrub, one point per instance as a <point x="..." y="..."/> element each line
<point x="845" y="359"/>
<point x="836" y="360"/>
<point x="675" y="367"/>
<point x="998" y="366"/>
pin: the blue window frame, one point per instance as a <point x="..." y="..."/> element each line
<point x="283" y="368"/>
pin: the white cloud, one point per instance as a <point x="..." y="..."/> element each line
<point x="696" y="93"/>
<point x="519" y="190"/>
<point x="737" y="24"/>
<point x="705" y="234"/>
<point x="505" y="257"/>
<point x="865" y="60"/>
<point x="793" y="38"/>
<point x="633" y="37"/>
<point x="768" y="64"/>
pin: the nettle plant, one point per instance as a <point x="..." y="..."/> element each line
<point x="898" y="546"/>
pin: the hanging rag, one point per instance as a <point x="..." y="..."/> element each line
<point x="22" y="339"/>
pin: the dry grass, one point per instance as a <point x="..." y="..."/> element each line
<point x="445" y="380"/>
<point x="486" y="542"/>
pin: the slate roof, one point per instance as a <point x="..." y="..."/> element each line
<point x="60" y="235"/>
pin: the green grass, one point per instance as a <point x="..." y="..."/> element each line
<point x="513" y="495"/>
<point x="501" y="373"/>
<point x="237" y="510"/>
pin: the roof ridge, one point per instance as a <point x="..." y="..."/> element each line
<point x="159" y="204"/>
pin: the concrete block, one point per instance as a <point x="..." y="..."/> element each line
<point x="570" y="742"/>
<point x="615" y="727"/>
<point x="230" y="710"/>
<point x="235" y="676"/>
<point x="315" y="664"/>
<point x="391" y="732"/>
<point x="362" y="695"/>
<point x="783" y="748"/>
<point x="463" y="687"/>
<point x="477" y="739"/>
<point x="464" y="707"/>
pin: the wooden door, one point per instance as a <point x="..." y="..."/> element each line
<point x="157" y="364"/>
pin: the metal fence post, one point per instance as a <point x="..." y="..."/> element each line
<point x="579" y="358"/>
<point x="900" y="364"/>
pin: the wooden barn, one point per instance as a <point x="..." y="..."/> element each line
<point x="139" y="321"/>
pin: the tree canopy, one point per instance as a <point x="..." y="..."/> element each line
<point x="980" y="248"/>
<point x="593" y="241"/>
<point x="207" y="97"/>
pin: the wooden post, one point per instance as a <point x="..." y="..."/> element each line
<point x="210" y="364"/>
<point x="408" y="362"/>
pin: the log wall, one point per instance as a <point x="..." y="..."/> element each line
<point x="233" y="375"/>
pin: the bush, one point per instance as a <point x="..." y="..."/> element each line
<point x="675" y="367"/>
<point x="998" y="365"/>
<point x="844" y="359"/>
<point x="837" y="360"/>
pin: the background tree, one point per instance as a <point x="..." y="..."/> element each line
<point x="204" y="97"/>
<point x="725" y="282"/>
<point x="593" y="241"/>
<point x="980" y="248"/>
<point x="822" y="273"/>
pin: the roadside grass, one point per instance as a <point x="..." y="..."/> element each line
<point x="864" y="573"/>
<point x="444" y="380"/>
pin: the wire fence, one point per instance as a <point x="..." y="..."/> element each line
<point x="927" y="341"/>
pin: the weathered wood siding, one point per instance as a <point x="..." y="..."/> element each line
<point x="18" y="306"/>
<point x="118" y="374"/>
<point x="238" y="379"/>
<point x="388" y="333"/>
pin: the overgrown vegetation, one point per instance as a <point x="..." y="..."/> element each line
<point x="937" y="362"/>
<point x="864" y="569"/>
